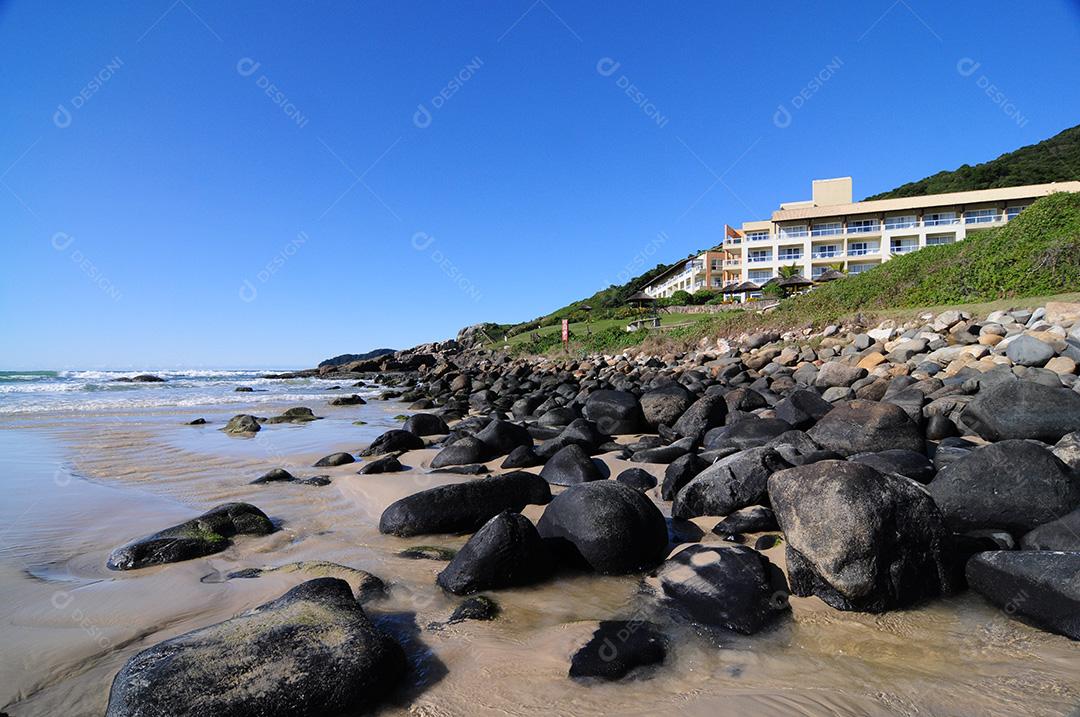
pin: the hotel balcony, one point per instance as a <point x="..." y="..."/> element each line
<point x="826" y="255"/>
<point x="732" y="263"/>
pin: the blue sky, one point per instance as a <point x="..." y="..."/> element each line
<point x="196" y="183"/>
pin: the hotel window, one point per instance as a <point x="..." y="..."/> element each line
<point x="863" y="226"/>
<point x="793" y="232"/>
<point x="790" y="253"/>
<point x="939" y="239"/>
<point x="759" y="275"/>
<point x="1013" y="212"/>
<point x="938" y="219"/>
<point x="818" y="271"/>
<point x="717" y="264"/>
<point x="980" y="216"/>
<point x="825" y="251"/>
<point x="905" y="222"/>
<point x="860" y="268"/>
<point x="757" y="256"/>
<point x="904" y="245"/>
<point x="858" y="248"/>
<point x="757" y="236"/>
<point x="827" y="229"/>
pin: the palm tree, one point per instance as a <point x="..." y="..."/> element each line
<point x="838" y="266"/>
<point x="786" y="272"/>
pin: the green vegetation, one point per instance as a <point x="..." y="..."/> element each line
<point x="1053" y="160"/>
<point x="605" y="335"/>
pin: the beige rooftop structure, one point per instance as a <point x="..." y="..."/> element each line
<point x="831" y="229"/>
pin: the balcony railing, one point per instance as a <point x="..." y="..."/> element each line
<point x="792" y="234"/>
<point x="863" y="252"/>
<point x="864" y="229"/>
<point x="830" y="232"/>
<point x="790" y="257"/>
<point x="826" y="254"/>
<point x="904" y="248"/>
<point x="895" y="226"/>
<point x="759" y="260"/>
<point x="732" y="263"/>
<point x="949" y="221"/>
<point x="759" y="237"/>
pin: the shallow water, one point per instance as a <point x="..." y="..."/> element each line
<point x="79" y="484"/>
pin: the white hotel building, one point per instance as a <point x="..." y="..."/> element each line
<point x="830" y="228"/>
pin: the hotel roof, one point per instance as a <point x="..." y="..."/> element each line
<point x="925" y="201"/>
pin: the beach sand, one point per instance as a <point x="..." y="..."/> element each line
<point x="80" y="485"/>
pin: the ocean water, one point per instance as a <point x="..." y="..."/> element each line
<point x="29" y="392"/>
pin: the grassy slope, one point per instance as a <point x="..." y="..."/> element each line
<point x="1052" y="160"/>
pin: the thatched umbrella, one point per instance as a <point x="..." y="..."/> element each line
<point x="732" y="288"/>
<point x="748" y="286"/>
<point x="830" y="275"/>
<point x="641" y="298"/>
<point x="795" y="282"/>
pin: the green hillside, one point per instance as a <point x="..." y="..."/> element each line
<point x="1053" y="160"/>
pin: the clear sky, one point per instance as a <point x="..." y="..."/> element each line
<point x="196" y="183"/>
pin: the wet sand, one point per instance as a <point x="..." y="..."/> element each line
<point x="79" y="485"/>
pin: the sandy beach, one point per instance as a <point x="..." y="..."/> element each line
<point x="81" y="484"/>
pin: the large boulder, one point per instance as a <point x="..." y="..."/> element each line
<point x="242" y="425"/>
<point x="311" y="651"/>
<point x="615" y="412"/>
<point x="833" y="373"/>
<point x="860" y="539"/>
<point x="902" y="461"/>
<point x="618" y="647"/>
<point x="464" y="451"/>
<point x="734" y="482"/>
<point x="394" y="441"/>
<point x="1039" y="585"/>
<point x="680" y="472"/>
<point x="732" y="587"/>
<point x="802" y="408"/>
<point x="463" y="507"/>
<point x="606" y="526"/>
<point x="207" y="534"/>
<point x="707" y="412"/>
<point x="664" y="405"/>
<point x="335" y="459"/>
<point x="1060" y="534"/>
<point x="748" y="433"/>
<point x="1011" y="485"/>
<point x="1023" y="409"/>
<point x="425" y="424"/>
<point x="506" y="552"/>
<point x="866" y="427"/>
<point x="570" y="466"/>
<point x="502" y="437"/>
<point x="1027" y="350"/>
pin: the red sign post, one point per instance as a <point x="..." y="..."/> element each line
<point x="566" y="332"/>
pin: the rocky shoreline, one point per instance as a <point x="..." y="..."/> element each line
<point x="897" y="464"/>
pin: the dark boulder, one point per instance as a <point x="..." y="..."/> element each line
<point x="1012" y="485"/>
<point x="521" y="457"/>
<point x="744" y="399"/>
<point x="425" y="424"/>
<point x="335" y="459"/>
<point x="660" y="454"/>
<point x="506" y="552"/>
<point x="275" y="475"/>
<point x="570" y="466"/>
<point x="478" y="607"/>
<point x="866" y="427"/>
<point x="707" y="412"/>
<point x="501" y="437"/>
<point x="618" y="647"/>
<point x="755" y="519"/>
<point x="734" y="588"/>
<point x="394" y="441"/>
<point x="664" y="405"/>
<point x="386" y="464"/>
<point x="1023" y="409"/>
<point x="1038" y="585"/>
<point x="680" y="472"/>
<point x="749" y="433"/>
<point x="802" y="408"/>
<point x="1060" y="534"/>
<point x="637" y="478"/>
<point x="242" y="424"/>
<point x="735" y="482"/>
<point x="461" y="452"/>
<point x="351" y="400"/>
<point x="207" y="534"/>
<point x="311" y="651"/>
<point x="463" y="507"/>
<point x="860" y="539"/>
<point x="903" y="461"/>
<point x="605" y="526"/>
<point x="615" y="412"/>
